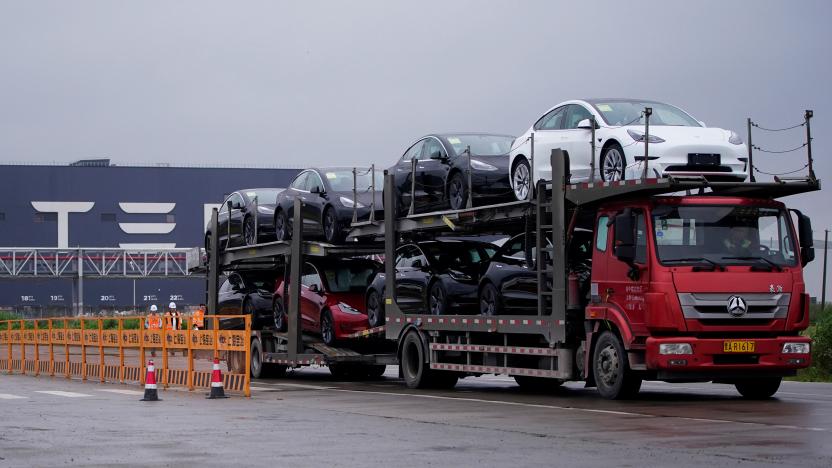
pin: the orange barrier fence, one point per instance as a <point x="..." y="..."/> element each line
<point x="117" y="349"/>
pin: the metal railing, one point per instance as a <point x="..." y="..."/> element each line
<point x="93" y="262"/>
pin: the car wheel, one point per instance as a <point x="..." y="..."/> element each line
<point x="457" y="192"/>
<point x="437" y="299"/>
<point x="759" y="389"/>
<point x="327" y="328"/>
<point x="279" y="316"/>
<point x="249" y="231"/>
<point x="521" y="179"/>
<point x="332" y="231"/>
<point x="613" y="376"/>
<point x="613" y="163"/>
<point x="375" y="309"/>
<point x="490" y="300"/>
<point x="281" y="226"/>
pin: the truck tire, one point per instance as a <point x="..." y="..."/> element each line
<point x="759" y="389"/>
<point x="374" y="371"/>
<point x="537" y="384"/>
<point x="613" y="376"/>
<point x="341" y="371"/>
<point x="416" y="372"/>
<point x="236" y="362"/>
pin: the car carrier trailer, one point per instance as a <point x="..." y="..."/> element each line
<point x="640" y="324"/>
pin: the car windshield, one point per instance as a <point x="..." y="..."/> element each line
<point x="264" y="196"/>
<point x="618" y="113"/>
<point x="348" y="277"/>
<point x="450" y="255"/>
<point x="341" y="180"/>
<point x="482" y="145"/>
<point x="723" y="235"/>
<point x="265" y="282"/>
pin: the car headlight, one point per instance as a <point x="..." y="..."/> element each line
<point x="734" y="138"/>
<point x="458" y="275"/>
<point x="796" y="348"/>
<point x="675" y="348"/>
<point x="348" y="309"/>
<point x="640" y="137"/>
<point x="481" y="166"/>
<point x="349" y="203"/>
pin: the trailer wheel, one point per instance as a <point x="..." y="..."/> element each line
<point x="537" y="384"/>
<point x="340" y="370"/>
<point x="759" y="389"/>
<point x="613" y="376"/>
<point x="256" y="359"/>
<point x="374" y="371"/>
<point x="236" y="362"/>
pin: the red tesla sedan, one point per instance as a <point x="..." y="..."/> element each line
<point x="332" y="297"/>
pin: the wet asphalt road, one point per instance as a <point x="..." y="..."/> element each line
<point x="307" y="419"/>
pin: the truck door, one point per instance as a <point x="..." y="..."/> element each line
<point x="624" y="285"/>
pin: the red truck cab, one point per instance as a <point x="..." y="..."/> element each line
<point x="697" y="288"/>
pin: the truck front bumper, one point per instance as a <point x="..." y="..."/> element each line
<point x="712" y="357"/>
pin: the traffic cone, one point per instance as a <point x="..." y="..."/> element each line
<point x="150" y="392"/>
<point x="216" y="382"/>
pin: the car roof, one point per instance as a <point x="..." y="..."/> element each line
<point x="337" y="168"/>
<point x="450" y="134"/>
<point x="597" y="100"/>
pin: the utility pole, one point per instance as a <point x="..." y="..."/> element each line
<point x="823" y="280"/>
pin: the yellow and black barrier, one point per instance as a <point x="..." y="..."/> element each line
<point x="117" y="349"/>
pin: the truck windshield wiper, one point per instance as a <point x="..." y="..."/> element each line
<point x="696" y="259"/>
<point x="753" y="257"/>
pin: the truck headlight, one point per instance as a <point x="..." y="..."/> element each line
<point x="796" y="348"/>
<point x="675" y="348"/>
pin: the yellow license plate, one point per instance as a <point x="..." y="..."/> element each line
<point x="735" y="346"/>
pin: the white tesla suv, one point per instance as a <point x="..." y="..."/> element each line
<point x="678" y="144"/>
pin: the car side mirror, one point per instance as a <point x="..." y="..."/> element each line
<point x="314" y="288"/>
<point x="701" y="123"/>
<point x="804" y="232"/>
<point x="317" y="190"/>
<point x="437" y="155"/>
<point x="625" y="242"/>
<point x="417" y="264"/>
<point x="587" y="124"/>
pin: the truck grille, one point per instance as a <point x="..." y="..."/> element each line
<point x="712" y="306"/>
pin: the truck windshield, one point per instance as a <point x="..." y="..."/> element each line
<point x="723" y="235"/>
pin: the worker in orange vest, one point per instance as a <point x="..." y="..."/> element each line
<point x="152" y="321"/>
<point x="199" y="317"/>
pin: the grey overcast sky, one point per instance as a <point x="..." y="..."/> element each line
<point x="324" y="83"/>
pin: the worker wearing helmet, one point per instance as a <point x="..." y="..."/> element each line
<point x="151" y="322"/>
<point x="172" y="317"/>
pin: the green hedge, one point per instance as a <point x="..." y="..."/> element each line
<point x="821" y="332"/>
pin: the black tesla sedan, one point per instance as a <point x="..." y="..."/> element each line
<point x="509" y="283"/>
<point x="330" y="201"/>
<point x="435" y="277"/>
<point x="237" y="223"/>
<point x="440" y="180"/>
<point x="247" y="293"/>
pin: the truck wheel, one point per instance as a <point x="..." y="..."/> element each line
<point x="256" y="359"/>
<point x="236" y="362"/>
<point x="416" y="372"/>
<point x="613" y="376"/>
<point x="759" y="389"/>
<point x="537" y="384"/>
<point x="414" y="369"/>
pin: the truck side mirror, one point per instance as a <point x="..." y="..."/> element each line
<point x="804" y="232"/>
<point x="625" y="242"/>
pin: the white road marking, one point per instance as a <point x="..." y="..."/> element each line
<point x="8" y="396"/>
<point x="121" y="391"/>
<point x="263" y="389"/>
<point x="584" y="410"/>
<point x="63" y="394"/>
<point x="280" y="384"/>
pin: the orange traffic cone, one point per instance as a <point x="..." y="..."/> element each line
<point x="216" y="382"/>
<point x="150" y="392"/>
